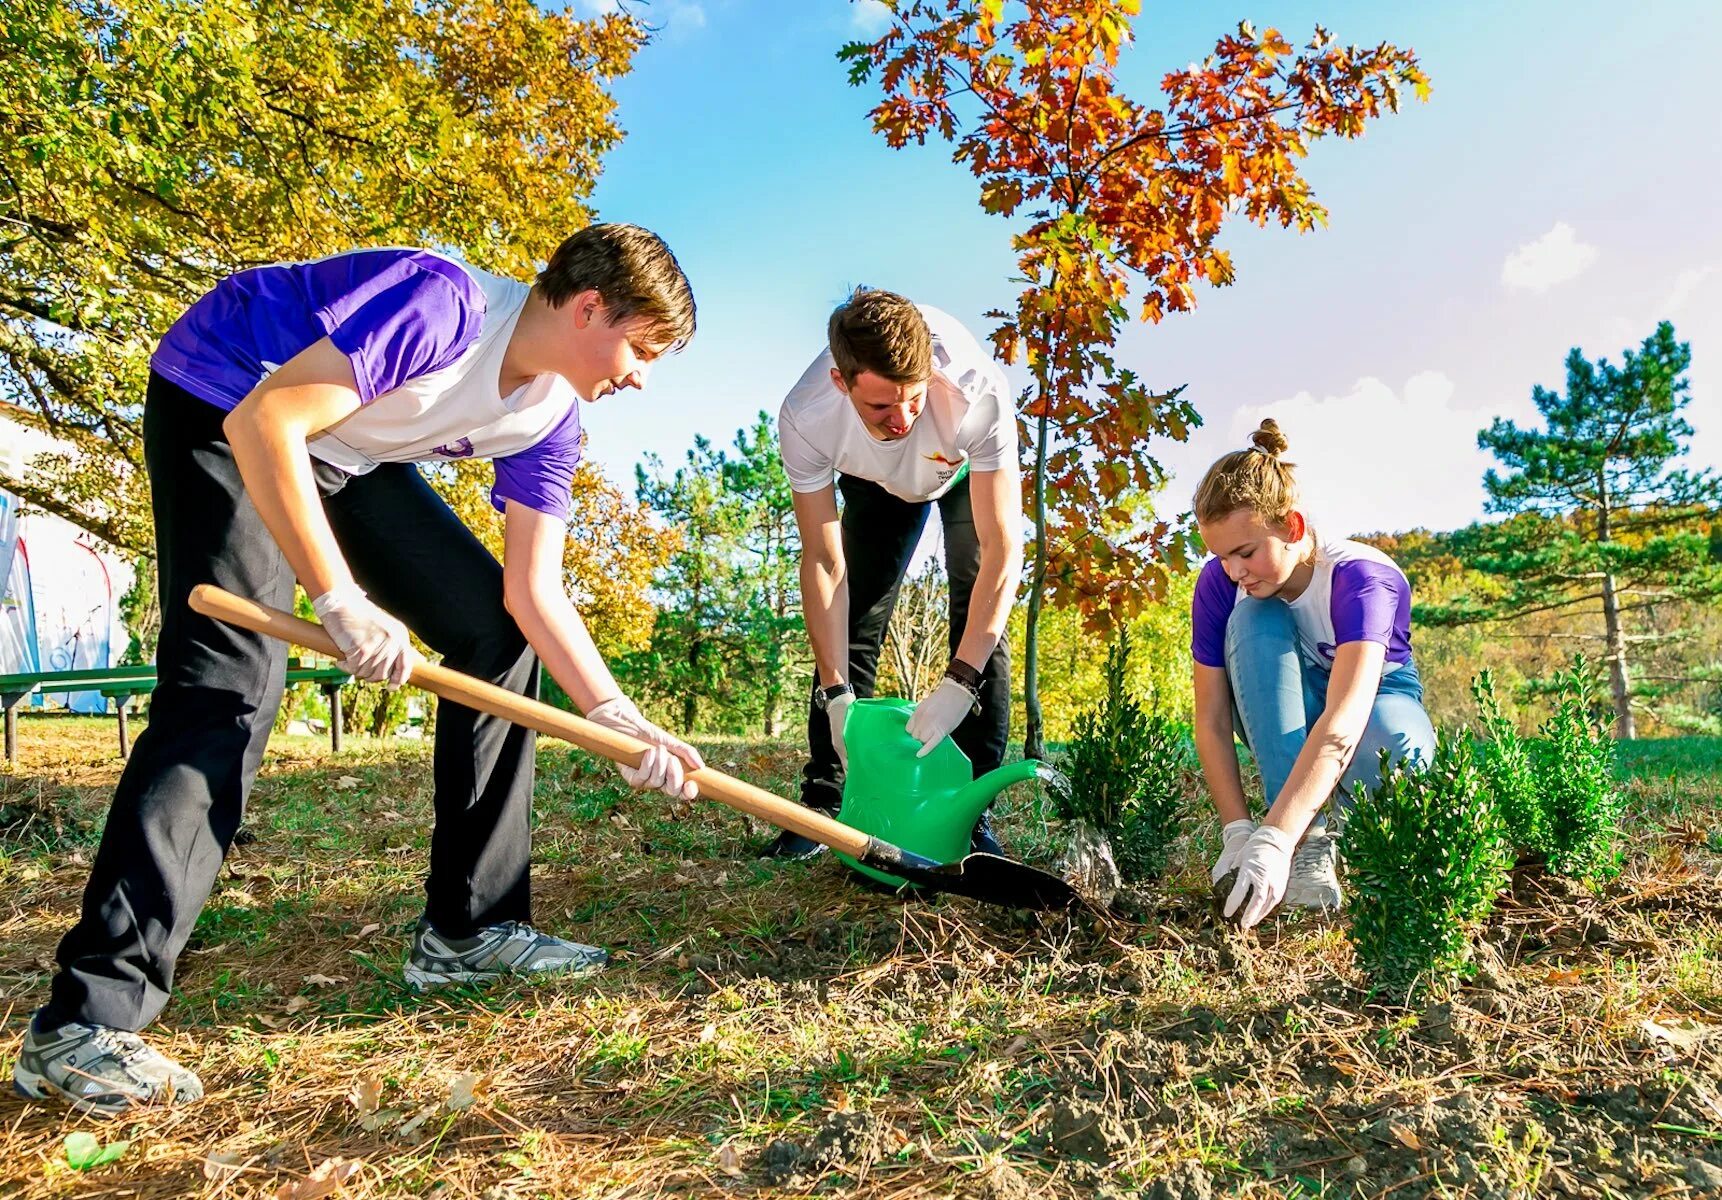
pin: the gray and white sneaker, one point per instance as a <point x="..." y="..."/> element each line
<point x="1314" y="881"/>
<point x="512" y="948"/>
<point x="99" y="1070"/>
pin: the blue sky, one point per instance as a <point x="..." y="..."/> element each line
<point x="1559" y="189"/>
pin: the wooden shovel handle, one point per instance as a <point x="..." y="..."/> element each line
<point x="222" y="605"/>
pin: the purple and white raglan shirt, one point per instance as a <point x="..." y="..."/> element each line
<point x="1356" y="594"/>
<point x="426" y="337"/>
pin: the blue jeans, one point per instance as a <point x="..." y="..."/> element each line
<point x="1277" y="698"/>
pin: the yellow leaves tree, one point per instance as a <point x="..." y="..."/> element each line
<point x="150" y="148"/>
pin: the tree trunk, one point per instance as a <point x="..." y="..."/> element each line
<point x="1619" y="684"/>
<point x="1033" y="742"/>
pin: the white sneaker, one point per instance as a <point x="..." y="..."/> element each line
<point x="99" y="1070"/>
<point x="1314" y="881"/>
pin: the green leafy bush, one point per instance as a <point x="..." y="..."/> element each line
<point x="1557" y="795"/>
<point x="1124" y="772"/>
<point x="1508" y="771"/>
<point x="1581" y="804"/>
<point x="1427" y="853"/>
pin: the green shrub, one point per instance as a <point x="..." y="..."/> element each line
<point x="1508" y="771"/>
<point x="1124" y="772"/>
<point x="1581" y="805"/>
<point x="1426" y="853"/>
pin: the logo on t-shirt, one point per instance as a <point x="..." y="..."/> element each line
<point x="460" y="449"/>
<point x="939" y="458"/>
<point x="1326" y="649"/>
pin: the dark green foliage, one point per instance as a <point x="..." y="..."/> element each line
<point x="1125" y="772"/>
<point x="1556" y="795"/>
<point x="1427" y="854"/>
<point x="1600" y="526"/>
<point x="1581" y="803"/>
<point x="1508" y="772"/>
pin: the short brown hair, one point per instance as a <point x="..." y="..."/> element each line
<point x="883" y="333"/>
<point x="1255" y="479"/>
<point x="631" y="269"/>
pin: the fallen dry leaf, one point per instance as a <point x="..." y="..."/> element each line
<point x="348" y="782"/>
<point x="326" y="1180"/>
<point x="466" y="1089"/>
<point x="1560" y="978"/>
<point x="729" y="1162"/>
<point x="708" y="1035"/>
<point x="223" y="1165"/>
<point x="367" y="1095"/>
<point x="1406" y="1138"/>
<point x="1683" y="1033"/>
<point x="297" y="1004"/>
<point x="315" y="980"/>
<point x="368" y="930"/>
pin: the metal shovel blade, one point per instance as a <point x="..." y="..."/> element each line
<point x="984" y="877"/>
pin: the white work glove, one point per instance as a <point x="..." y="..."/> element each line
<point x="837" y="712"/>
<point x="374" y="645"/>
<point x="1263" y="870"/>
<point x="939" y="712"/>
<point x="668" y="758"/>
<point x="1233" y="836"/>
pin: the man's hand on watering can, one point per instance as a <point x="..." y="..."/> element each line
<point x="938" y="713"/>
<point x="1263" y="871"/>
<point x="667" y="758"/>
<point x="836" y="712"/>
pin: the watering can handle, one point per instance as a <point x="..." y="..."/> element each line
<point x="222" y="605"/>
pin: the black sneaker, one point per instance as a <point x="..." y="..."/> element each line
<point x="983" y="840"/>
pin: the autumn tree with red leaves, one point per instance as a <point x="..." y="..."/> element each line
<point x="1124" y="201"/>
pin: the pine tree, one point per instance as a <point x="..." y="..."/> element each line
<point x="1598" y="526"/>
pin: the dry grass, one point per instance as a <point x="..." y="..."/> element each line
<point x="781" y="1031"/>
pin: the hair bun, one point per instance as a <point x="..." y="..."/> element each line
<point x="1268" y="439"/>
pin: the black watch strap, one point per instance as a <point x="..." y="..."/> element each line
<point x="822" y="697"/>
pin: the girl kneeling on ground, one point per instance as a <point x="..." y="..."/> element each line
<point x="1303" y="648"/>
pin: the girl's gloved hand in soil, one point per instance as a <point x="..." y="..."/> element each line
<point x="374" y="645"/>
<point x="1233" y="838"/>
<point x="667" y="759"/>
<point x="1263" y="870"/>
<point x="938" y="713"/>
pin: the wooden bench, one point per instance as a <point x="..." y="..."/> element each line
<point x="120" y="684"/>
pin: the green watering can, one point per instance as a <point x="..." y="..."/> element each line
<point x="925" y="805"/>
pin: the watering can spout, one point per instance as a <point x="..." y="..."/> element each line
<point x="971" y="801"/>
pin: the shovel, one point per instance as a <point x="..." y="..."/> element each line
<point x="984" y="877"/>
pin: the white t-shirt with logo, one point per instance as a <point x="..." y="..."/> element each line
<point x="456" y="411"/>
<point x="968" y="422"/>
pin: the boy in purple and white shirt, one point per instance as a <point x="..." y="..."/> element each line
<point x="285" y="415"/>
<point x="1302" y="645"/>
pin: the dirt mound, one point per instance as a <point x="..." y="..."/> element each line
<point x="1081" y="1129"/>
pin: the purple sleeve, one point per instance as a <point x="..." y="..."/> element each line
<point x="1210" y="609"/>
<point x="412" y="321"/>
<point x="542" y="476"/>
<point x="1367" y="598"/>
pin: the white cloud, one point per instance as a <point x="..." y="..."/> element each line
<point x="1556" y="257"/>
<point x="687" y="16"/>
<point x="870" y="17"/>
<point x="595" y="8"/>
<point x="1685" y="285"/>
<point x="1373" y="459"/>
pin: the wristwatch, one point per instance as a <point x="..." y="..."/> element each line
<point x="823" y="696"/>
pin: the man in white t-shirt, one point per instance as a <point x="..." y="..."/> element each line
<point x="902" y="411"/>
